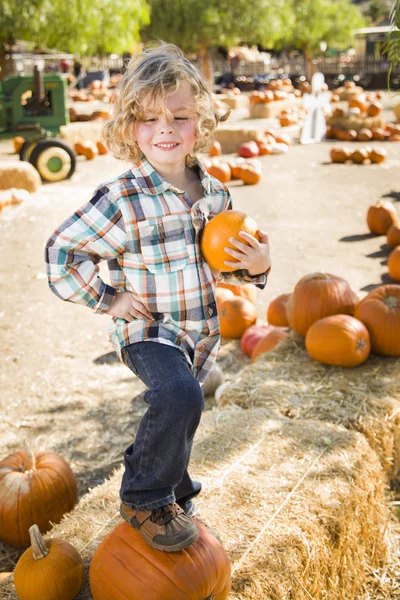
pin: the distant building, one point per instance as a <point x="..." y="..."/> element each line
<point x="369" y="41"/>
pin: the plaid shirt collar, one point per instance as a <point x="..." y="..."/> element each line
<point x="153" y="183"/>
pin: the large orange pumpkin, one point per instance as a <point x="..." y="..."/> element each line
<point x="235" y="316"/>
<point x="276" y="312"/>
<point x="316" y="296"/>
<point x="248" y="291"/>
<point x="216" y="236"/>
<point x="394" y="264"/>
<point x="252" y="336"/>
<point x="380" y="217"/>
<point x="269" y="341"/>
<point x="34" y="488"/>
<point x="380" y="313"/>
<point x="339" y="340"/>
<point x="125" y="566"/>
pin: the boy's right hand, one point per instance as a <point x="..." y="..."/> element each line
<point x="128" y="306"/>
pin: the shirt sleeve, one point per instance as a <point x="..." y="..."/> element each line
<point x="242" y="276"/>
<point x="93" y="233"/>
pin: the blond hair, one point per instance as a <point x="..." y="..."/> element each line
<point x="158" y="72"/>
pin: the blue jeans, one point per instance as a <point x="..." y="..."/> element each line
<point x="156" y="463"/>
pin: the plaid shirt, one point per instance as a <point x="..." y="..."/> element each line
<point x="149" y="232"/>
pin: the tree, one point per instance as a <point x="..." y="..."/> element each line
<point x="310" y="22"/>
<point x="77" y="26"/>
<point x="197" y="25"/>
<point x="392" y="45"/>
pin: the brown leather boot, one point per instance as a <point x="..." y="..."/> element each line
<point x="167" y="528"/>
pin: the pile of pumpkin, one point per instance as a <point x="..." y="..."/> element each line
<point x="277" y="89"/>
<point x="96" y="115"/>
<point x="90" y="149"/>
<point x="291" y="116"/>
<point x="360" y="156"/>
<point x="37" y="489"/>
<point x="390" y="132"/>
<point x="382" y="219"/>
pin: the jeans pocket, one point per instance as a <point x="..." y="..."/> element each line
<point x="126" y="357"/>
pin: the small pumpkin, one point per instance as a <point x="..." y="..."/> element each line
<point x="248" y="150"/>
<point x="235" y="316"/>
<point x="250" y="175"/>
<point x="269" y="341"/>
<point x="316" y="296"/>
<point x="339" y="340"/>
<point x="216" y="236"/>
<point x="34" y="488"/>
<point x="364" y="135"/>
<point x="18" y="142"/>
<point x="125" y="566"/>
<point x="349" y="135"/>
<point x="380" y="313"/>
<point x="247" y="291"/>
<point x="222" y="294"/>
<point x="216" y="149"/>
<point x="220" y="171"/>
<point x="101" y="147"/>
<point x="51" y="569"/>
<point x="252" y="336"/>
<point x="358" y="102"/>
<point x="377" y="155"/>
<point x="359" y="156"/>
<point x="340" y="154"/>
<point x="393" y="235"/>
<point x="89" y="150"/>
<point x="265" y="148"/>
<point x="380" y="217"/>
<point x="379" y="134"/>
<point x="394" y="264"/>
<point x="374" y="109"/>
<point x="276" y="312"/>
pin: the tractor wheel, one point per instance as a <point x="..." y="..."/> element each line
<point x="53" y="159"/>
<point x="26" y="150"/>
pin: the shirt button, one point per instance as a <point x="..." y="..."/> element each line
<point x="210" y="311"/>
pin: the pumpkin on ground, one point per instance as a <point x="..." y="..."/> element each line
<point x="380" y="313"/>
<point x="339" y="340"/>
<point x="394" y="264"/>
<point x="220" y="171"/>
<point x="377" y="155"/>
<point x="250" y="175"/>
<point x="269" y="341"/>
<point x="125" y="566"/>
<point x="380" y="217"/>
<point x="34" y="488"/>
<point x="235" y="316"/>
<point x="222" y="294"/>
<point x="340" y="154"/>
<point x="316" y="296"/>
<point x="248" y="291"/>
<point x="393" y="235"/>
<point x="51" y="569"/>
<point x="216" y="236"/>
<point x="276" y="312"/>
<point x="216" y="149"/>
<point x="252" y="336"/>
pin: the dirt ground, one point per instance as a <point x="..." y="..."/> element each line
<point x="60" y="385"/>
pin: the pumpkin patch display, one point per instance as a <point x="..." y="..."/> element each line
<point x="394" y="264"/>
<point x="235" y="316"/>
<point x="269" y="341"/>
<point x="380" y="217"/>
<point x="316" y="296"/>
<point x="339" y="340"/>
<point x="125" y="566"/>
<point x="50" y="569"/>
<point x="276" y="312"/>
<point x="380" y="313"/>
<point x="34" y="488"/>
<point x="217" y="232"/>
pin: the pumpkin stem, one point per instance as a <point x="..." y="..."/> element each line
<point x="39" y="548"/>
<point x="392" y="301"/>
<point x="29" y="460"/>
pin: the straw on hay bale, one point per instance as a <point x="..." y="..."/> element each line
<point x="232" y="135"/>
<point x="273" y="109"/>
<point x="347" y="93"/>
<point x="356" y="122"/>
<point x="81" y="131"/>
<point x="299" y="506"/>
<point x="19" y="174"/>
<point x="235" y="101"/>
<point x="288" y="382"/>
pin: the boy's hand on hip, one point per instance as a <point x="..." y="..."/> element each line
<point x="128" y="306"/>
<point x="252" y="255"/>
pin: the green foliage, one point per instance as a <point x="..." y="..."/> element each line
<point x="377" y="10"/>
<point x="76" y="26"/>
<point x="392" y="44"/>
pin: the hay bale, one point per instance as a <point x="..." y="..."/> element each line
<point x="355" y="122"/>
<point x="347" y="93"/>
<point x="288" y="382"/>
<point x="235" y="100"/>
<point x="396" y="110"/>
<point x="19" y="174"/>
<point x="299" y="506"/>
<point x="262" y="110"/>
<point x="232" y="135"/>
<point x="81" y="132"/>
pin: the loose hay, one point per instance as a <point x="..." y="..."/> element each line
<point x="356" y="122"/>
<point x="299" y="506"/>
<point x="290" y="383"/>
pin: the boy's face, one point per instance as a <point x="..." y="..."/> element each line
<point x="164" y="141"/>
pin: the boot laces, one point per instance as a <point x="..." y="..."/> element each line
<point x="165" y="514"/>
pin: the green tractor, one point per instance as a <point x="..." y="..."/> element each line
<point x="35" y="108"/>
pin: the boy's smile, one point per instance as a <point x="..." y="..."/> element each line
<point x="166" y="141"/>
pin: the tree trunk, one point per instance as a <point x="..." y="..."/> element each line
<point x="3" y="62"/>
<point x="309" y="64"/>
<point x="206" y="66"/>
